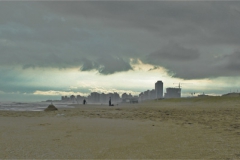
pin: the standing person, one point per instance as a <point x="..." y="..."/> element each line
<point x="84" y="101"/>
<point x="110" y="103"/>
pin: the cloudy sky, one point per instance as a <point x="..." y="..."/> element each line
<point x="54" y="48"/>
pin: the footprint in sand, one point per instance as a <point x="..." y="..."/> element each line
<point x="44" y="124"/>
<point x="238" y="133"/>
<point x="238" y="155"/>
<point x="57" y="139"/>
<point x="68" y="136"/>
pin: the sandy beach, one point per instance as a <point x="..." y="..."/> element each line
<point x="187" y="128"/>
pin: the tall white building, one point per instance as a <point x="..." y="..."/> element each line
<point x="159" y="89"/>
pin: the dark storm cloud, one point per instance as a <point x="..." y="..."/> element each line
<point x="32" y="36"/>
<point x="232" y="62"/>
<point x="187" y="63"/>
<point x="183" y="37"/>
<point x="177" y="59"/>
<point x="106" y="65"/>
<point x="212" y="19"/>
<point x="88" y="65"/>
<point x="110" y="65"/>
<point x="192" y="25"/>
<point x="174" y="52"/>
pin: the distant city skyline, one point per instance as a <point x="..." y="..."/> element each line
<point x="55" y="48"/>
<point x="100" y="98"/>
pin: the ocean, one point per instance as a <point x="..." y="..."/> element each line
<point x="32" y="106"/>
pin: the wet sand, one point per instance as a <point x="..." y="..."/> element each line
<point x="190" y="128"/>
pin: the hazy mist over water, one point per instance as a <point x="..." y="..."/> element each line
<point x="37" y="106"/>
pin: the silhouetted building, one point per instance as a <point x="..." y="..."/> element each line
<point x="173" y="93"/>
<point x="152" y="94"/>
<point x="134" y="99"/>
<point x="159" y="89"/>
<point x="140" y="98"/>
<point x="103" y="98"/>
<point x="126" y="97"/>
<point x="95" y="97"/>
<point x="65" y="98"/>
<point x="79" y="99"/>
<point x="72" y="97"/>
<point x="146" y="95"/>
<point x="115" y="97"/>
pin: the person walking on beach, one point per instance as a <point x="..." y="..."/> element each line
<point x="110" y="103"/>
<point x="84" y="101"/>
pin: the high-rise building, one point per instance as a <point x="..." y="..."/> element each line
<point x="152" y="94"/>
<point x="146" y="95"/>
<point x="95" y="97"/>
<point x="159" y="89"/>
<point x="173" y="93"/>
<point x="140" y="97"/>
<point x="104" y="98"/>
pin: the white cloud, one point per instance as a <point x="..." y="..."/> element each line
<point x="58" y="93"/>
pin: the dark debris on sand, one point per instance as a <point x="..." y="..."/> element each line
<point x="51" y="107"/>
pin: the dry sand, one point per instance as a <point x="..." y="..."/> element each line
<point x="190" y="128"/>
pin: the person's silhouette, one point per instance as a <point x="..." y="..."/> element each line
<point x="110" y="103"/>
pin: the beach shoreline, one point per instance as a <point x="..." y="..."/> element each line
<point x="169" y="129"/>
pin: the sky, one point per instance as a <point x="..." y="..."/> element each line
<point x="50" y="49"/>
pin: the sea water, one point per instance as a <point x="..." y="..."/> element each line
<point x="33" y="106"/>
